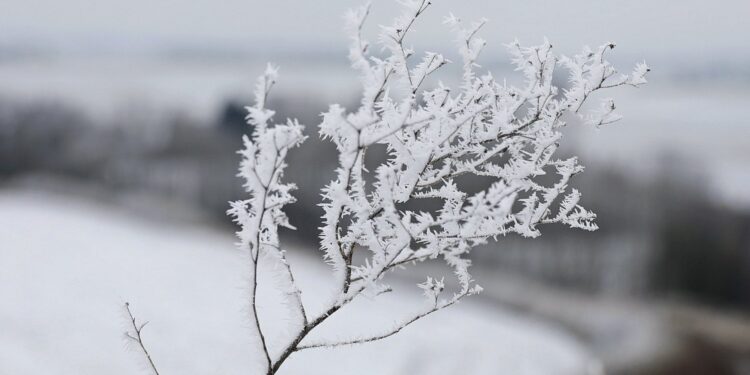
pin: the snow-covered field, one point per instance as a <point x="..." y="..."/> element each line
<point x="67" y="266"/>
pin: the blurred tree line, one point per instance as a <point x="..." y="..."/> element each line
<point x="660" y="236"/>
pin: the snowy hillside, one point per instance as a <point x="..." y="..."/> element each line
<point x="67" y="266"/>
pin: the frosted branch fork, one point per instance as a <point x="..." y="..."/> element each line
<point x="433" y="138"/>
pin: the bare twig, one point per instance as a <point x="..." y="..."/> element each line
<point x="136" y="336"/>
<point x="389" y="333"/>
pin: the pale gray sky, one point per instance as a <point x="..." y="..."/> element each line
<point x="661" y="29"/>
<point x="707" y="38"/>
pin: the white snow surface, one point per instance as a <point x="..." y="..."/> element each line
<point x="68" y="265"/>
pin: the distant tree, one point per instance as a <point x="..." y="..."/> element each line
<point x="232" y="118"/>
<point x="484" y="128"/>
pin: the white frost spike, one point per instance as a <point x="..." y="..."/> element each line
<point x="605" y="115"/>
<point x="451" y="20"/>
<point x="638" y="77"/>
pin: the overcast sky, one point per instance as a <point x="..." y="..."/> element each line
<point x="683" y="115"/>
<point x="660" y="29"/>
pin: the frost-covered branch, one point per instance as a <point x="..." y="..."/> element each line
<point x="262" y="166"/>
<point x="432" y="290"/>
<point x="435" y="138"/>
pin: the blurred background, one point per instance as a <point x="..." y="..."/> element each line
<point x="115" y="114"/>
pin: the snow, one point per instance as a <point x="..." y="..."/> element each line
<point x="68" y="265"/>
